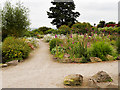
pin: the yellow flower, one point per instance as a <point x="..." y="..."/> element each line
<point x="15" y="54"/>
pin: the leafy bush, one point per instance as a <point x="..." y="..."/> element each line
<point x="15" y="20"/>
<point x="81" y="27"/>
<point x="43" y="29"/>
<point x="118" y="45"/>
<point x="50" y="31"/>
<point x="55" y="42"/>
<point x="64" y="30"/>
<point x="54" y="50"/>
<point x="101" y="49"/>
<point x="14" y="49"/>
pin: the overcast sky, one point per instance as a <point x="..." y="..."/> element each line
<point x="91" y="11"/>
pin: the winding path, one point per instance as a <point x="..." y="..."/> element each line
<point x="40" y="71"/>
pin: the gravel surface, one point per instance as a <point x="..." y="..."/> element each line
<point x="41" y="71"/>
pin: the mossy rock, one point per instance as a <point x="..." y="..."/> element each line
<point x="66" y="60"/>
<point x="102" y="77"/>
<point x="73" y="80"/>
<point x="77" y="60"/>
<point x="109" y="57"/>
<point x="95" y="59"/>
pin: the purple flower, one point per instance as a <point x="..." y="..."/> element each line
<point x="84" y="36"/>
<point x="72" y="42"/>
<point x="55" y="36"/>
<point x="71" y="35"/>
<point x="104" y="30"/>
<point x="61" y="45"/>
<point x="95" y="31"/>
<point x="89" y="37"/>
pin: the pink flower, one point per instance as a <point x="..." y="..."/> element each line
<point x="55" y="36"/>
<point x="69" y="47"/>
<point x="61" y="45"/>
<point x="72" y="42"/>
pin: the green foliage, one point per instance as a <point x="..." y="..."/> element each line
<point x="50" y="31"/>
<point x="118" y="44"/>
<point x="81" y="27"/>
<point x="63" y="14"/>
<point x="78" y="50"/>
<point x="15" y="20"/>
<point x="54" y="50"/>
<point x="14" y="49"/>
<point x="101" y="24"/>
<point x="55" y="42"/>
<point x="101" y="49"/>
<point x="43" y="29"/>
<point x="64" y="30"/>
<point x="110" y="23"/>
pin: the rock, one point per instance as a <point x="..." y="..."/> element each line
<point x="20" y="61"/>
<point x="118" y="58"/>
<point x="92" y="83"/>
<point x="102" y="77"/>
<point x="77" y="60"/>
<point x="12" y="63"/>
<point x="73" y="80"/>
<point x="66" y="60"/>
<point x="112" y="85"/>
<point x="66" y="55"/>
<point x="3" y="65"/>
<point x="109" y="57"/>
<point x="95" y="59"/>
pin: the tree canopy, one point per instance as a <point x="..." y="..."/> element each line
<point x="63" y="14"/>
<point x="14" y="20"/>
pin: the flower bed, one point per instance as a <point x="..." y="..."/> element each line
<point x="83" y="48"/>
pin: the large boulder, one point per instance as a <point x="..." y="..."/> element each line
<point x="95" y="59"/>
<point x="101" y="80"/>
<point x="101" y="77"/>
<point x="109" y="57"/>
<point x="73" y="80"/>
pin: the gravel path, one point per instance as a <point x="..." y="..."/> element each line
<point x="40" y="71"/>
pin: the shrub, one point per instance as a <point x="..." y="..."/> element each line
<point x="43" y="29"/>
<point x="118" y="45"/>
<point x="15" y="21"/>
<point x="55" y="42"/>
<point x="14" y="49"/>
<point x="81" y="27"/>
<point x="50" y="31"/>
<point x="64" y="30"/>
<point x="101" y="49"/>
<point x="54" y="50"/>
